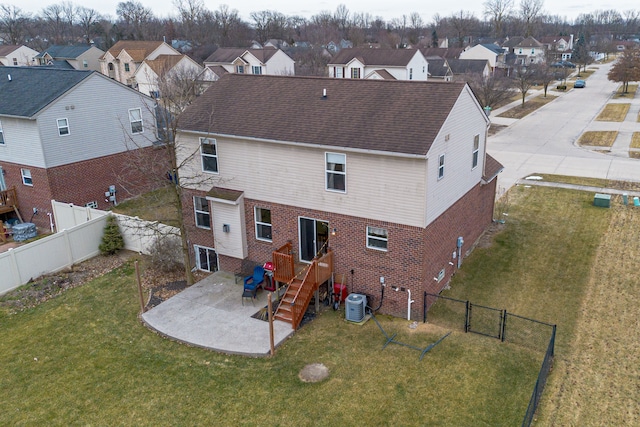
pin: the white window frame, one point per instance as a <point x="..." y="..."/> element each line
<point x="410" y="73"/>
<point x="339" y="72"/>
<point x="26" y="177"/>
<point x="355" y="73"/>
<point x="63" y="129"/>
<point x="475" y="152"/>
<point x="259" y="223"/>
<point x="1" y="134"/>
<point x="15" y="62"/>
<point x="374" y="235"/>
<point x="127" y="67"/>
<point x="85" y="64"/>
<point x="440" y="167"/>
<point x="328" y="172"/>
<point x="197" y="211"/>
<point x="239" y="69"/>
<point x="203" y="155"/>
<point x="196" y="249"/>
<point x="257" y="68"/>
<point x="92" y="205"/>
<point x="133" y="120"/>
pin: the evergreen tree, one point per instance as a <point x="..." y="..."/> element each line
<point x="112" y="240"/>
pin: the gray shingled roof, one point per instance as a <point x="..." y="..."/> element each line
<point x="64" y="52"/>
<point x="228" y="55"/>
<point x="33" y="88"/>
<point x="374" y="57"/>
<point x="7" y="49"/>
<point x="465" y="66"/>
<point x="385" y="115"/>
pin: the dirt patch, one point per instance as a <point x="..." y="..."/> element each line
<point x="313" y="373"/>
<point x="486" y="240"/>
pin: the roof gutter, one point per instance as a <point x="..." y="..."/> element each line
<point x="308" y="145"/>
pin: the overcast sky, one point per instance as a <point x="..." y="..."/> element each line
<point x="386" y="9"/>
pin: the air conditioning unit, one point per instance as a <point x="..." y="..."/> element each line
<point x="355" y="307"/>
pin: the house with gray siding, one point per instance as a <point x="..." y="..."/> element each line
<point x="76" y="57"/>
<point x="392" y="176"/>
<point x="58" y="143"/>
<point x="365" y="63"/>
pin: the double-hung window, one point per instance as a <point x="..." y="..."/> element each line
<point x="63" y="127"/>
<point x="338" y="72"/>
<point x="240" y="69"/>
<point x="336" y="172"/>
<point x="201" y="209"/>
<point x="1" y="135"/>
<point x="26" y="177"/>
<point x="256" y="69"/>
<point x="209" y="155"/>
<point x="441" y="166"/>
<point x="410" y="73"/>
<point x="135" y="118"/>
<point x="355" y="73"/>
<point x="126" y="67"/>
<point x="476" y="150"/>
<point x="263" y="224"/>
<point x="85" y="64"/>
<point x="377" y="238"/>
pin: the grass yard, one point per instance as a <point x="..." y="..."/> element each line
<point x="614" y="112"/>
<point x="156" y="205"/>
<point x="529" y="107"/>
<point x="633" y="87"/>
<point x="592" y="182"/>
<point x="598" y="138"/>
<point x="84" y="358"/>
<point x="635" y="140"/>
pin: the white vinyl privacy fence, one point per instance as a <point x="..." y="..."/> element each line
<point x="79" y="232"/>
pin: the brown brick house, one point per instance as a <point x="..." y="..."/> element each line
<point x="388" y="174"/>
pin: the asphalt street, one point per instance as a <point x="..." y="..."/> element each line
<point x="545" y="140"/>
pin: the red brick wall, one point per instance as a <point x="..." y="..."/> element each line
<point x="195" y="235"/>
<point x="414" y="258"/>
<point x="29" y="197"/>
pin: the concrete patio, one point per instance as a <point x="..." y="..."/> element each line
<point x="210" y="314"/>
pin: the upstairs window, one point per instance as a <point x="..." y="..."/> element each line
<point x="63" y="127"/>
<point x="476" y="149"/>
<point x="240" y="69"/>
<point x="336" y="172"/>
<point x="256" y="69"/>
<point x="338" y="72"/>
<point x="410" y="73"/>
<point x="377" y="238"/>
<point x="1" y="135"/>
<point x="15" y="61"/>
<point x="135" y="118"/>
<point x="209" y="154"/>
<point x="126" y="67"/>
<point x="441" y="166"/>
<point x="355" y="73"/>
<point x="263" y="224"/>
<point x="85" y="64"/>
<point x="203" y="215"/>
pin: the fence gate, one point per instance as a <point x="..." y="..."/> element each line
<point x="485" y="320"/>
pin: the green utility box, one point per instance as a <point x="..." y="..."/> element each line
<point x="602" y="200"/>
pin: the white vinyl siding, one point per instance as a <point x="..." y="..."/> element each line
<point x="63" y="127"/>
<point x="256" y="69"/>
<point x="263" y="224"/>
<point x="1" y="134"/>
<point x="135" y="118"/>
<point x="441" y="166"/>
<point x="475" y="153"/>
<point x="377" y="238"/>
<point x="336" y="172"/>
<point x="209" y="155"/>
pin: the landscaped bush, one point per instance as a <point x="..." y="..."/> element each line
<point x="112" y="240"/>
<point x="166" y="254"/>
<point x="561" y="87"/>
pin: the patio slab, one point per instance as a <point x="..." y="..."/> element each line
<point x="211" y="314"/>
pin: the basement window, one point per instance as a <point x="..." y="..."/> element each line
<point x="377" y="238"/>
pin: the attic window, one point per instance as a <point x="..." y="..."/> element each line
<point x="135" y="118"/>
<point x="126" y="67"/>
<point x="63" y="127"/>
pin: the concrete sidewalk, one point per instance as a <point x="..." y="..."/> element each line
<point x="210" y="314"/>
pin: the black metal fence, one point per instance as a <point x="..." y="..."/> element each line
<point x="492" y="322"/>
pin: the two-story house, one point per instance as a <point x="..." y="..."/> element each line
<point x="268" y="61"/>
<point x="365" y="63"/>
<point x="12" y="55"/>
<point x="392" y="175"/>
<point x="122" y="60"/>
<point x="167" y="67"/>
<point x="57" y="142"/>
<point x="494" y="54"/>
<point x="528" y="51"/>
<point x="558" y="48"/>
<point x="77" y="57"/>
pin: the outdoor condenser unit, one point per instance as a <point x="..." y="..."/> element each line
<point x="355" y="307"/>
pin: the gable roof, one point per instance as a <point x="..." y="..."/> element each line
<point x="493" y="48"/>
<point x="512" y="42"/>
<point x="384" y="74"/>
<point x="33" y="88"/>
<point x="386" y="57"/>
<point x="65" y="52"/>
<point x="381" y="115"/>
<point x="443" y="52"/>
<point x="438" y="67"/>
<point x="163" y="63"/>
<point x="529" y="42"/>
<point x="227" y="55"/>
<point x="137" y="49"/>
<point x="7" y="49"/>
<point x="464" y="66"/>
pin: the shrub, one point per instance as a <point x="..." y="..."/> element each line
<point x="112" y="240"/>
<point x="166" y="254"/>
<point x="561" y="87"/>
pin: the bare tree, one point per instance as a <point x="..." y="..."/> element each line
<point x="134" y="17"/>
<point x="416" y="27"/>
<point x="88" y="18"/>
<point x="462" y="24"/>
<point x="498" y="11"/>
<point x="13" y="23"/>
<point x="342" y="18"/>
<point x="54" y="18"/>
<point x="544" y="75"/>
<point x="400" y="27"/>
<point x="491" y="91"/>
<point x="626" y="69"/>
<point x="525" y="79"/>
<point x="530" y="12"/>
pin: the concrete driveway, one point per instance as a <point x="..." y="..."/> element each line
<point x="545" y="141"/>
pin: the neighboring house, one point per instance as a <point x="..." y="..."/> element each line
<point x="558" y="48"/>
<point x="393" y="176"/>
<point x="79" y="57"/>
<point x="334" y="47"/>
<point x="439" y="69"/>
<point x="122" y="60"/>
<point x="276" y="44"/>
<point x="212" y="73"/>
<point x="58" y="143"/>
<point x="167" y="67"/>
<point x="12" y="55"/>
<point x="470" y="66"/>
<point x="529" y="51"/>
<point x="490" y="52"/>
<point x="364" y="63"/>
<point x="268" y="61"/>
<point x="446" y="53"/>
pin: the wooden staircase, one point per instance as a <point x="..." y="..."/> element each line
<point x="299" y="292"/>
